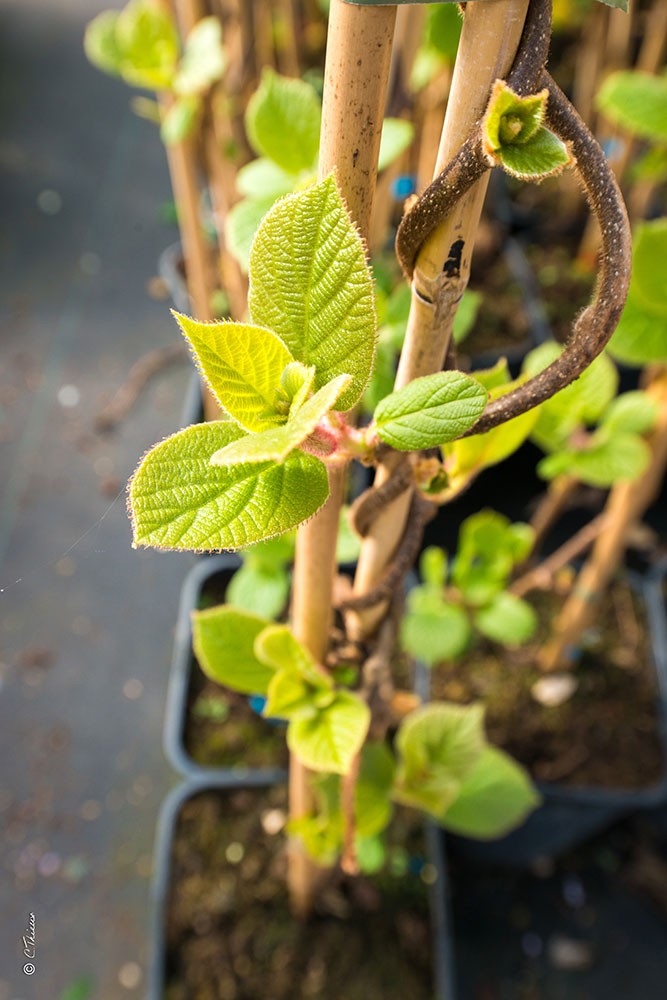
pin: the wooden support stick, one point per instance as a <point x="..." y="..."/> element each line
<point x="489" y="41"/>
<point x="355" y="85"/>
<point x="626" y="505"/>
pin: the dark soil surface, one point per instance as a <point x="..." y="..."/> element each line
<point x="230" y="934"/>
<point x="605" y="735"/>
<point x="222" y="730"/>
<point x="221" y="727"/>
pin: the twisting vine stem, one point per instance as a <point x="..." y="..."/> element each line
<point x="594" y="327"/>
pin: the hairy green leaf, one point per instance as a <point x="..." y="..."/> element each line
<point x="264" y="179"/>
<point x="510" y="119"/>
<point x="147" y="38"/>
<point x="430" y="410"/>
<point x="494" y="798"/>
<point x="466" y="314"/>
<point x="648" y="264"/>
<point x="489" y="547"/>
<point x="100" y="44"/>
<point x="397" y="134"/>
<point x="178" y="500"/>
<point x="309" y="282"/>
<point x="372" y="802"/>
<point x="289" y="695"/>
<point x="541" y="156"/>
<point x="507" y="619"/>
<point x="607" y="460"/>
<point x="469" y="456"/>
<point x="582" y="402"/>
<point x="434" y="630"/>
<point x="179" y="120"/>
<point x="279" y="442"/>
<point x="330" y="740"/>
<point x="641" y="335"/>
<point x="262" y="589"/>
<point x="283" y="122"/>
<point x="633" y="412"/>
<point x="203" y="61"/>
<point x="223" y="639"/>
<point x="637" y="102"/>
<point x="433" y="566"/>
<point x="242" y="223"/>
<point x="243" y="365"/>
<point x="438" y="746"/>
<point x="278" y="648"/>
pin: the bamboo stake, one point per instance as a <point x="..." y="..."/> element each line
<point x="183" y="171"/>
<point x="288" y="52"/>
<point x="489" y="41"/>
<point x="356" y="76"/>
<point x="626" y="505"/>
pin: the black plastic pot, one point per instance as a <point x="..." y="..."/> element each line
<point x="443" y="970"/>
<point x="183" y="670"/>
<point x="569" y="816"/>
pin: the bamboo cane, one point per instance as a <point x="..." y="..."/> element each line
<point x="489" y="41"/>
<point x="356" y="76"/>
<point x="626" y="505"/>
<point x="288" y="53"/>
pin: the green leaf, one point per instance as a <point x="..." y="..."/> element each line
<point x="283" y="122"/>
<point x="641" y="335"/>
<point x="147" y="39"/>
<point x="468" y="456"/>
<point x="443" y="30"/>
<point x="372" y="802"/>
<point x="637" y="102"/>
<point x="264" y="590"/>
<point x="510" y="119"/>
<point x="309" y="282"/>
<point x="430" y="410"/>
<point x="607" y="460"/>
<point x="433" y="630"/>
<point x="278" y="648"/>
<point x="241" y="226"/>
<point x="279" y="442"/>
<point x="466" y="314"/>
<point x="507" y="619"/>
<point x="223" y="640"/>
<point x="489" y="547"/>
<point x="616" y="4"/>
<point x="438" y="746"/>
<point x="330" y="740"/>
<point x="541" y="156"/>
<point x="494" y="798"/>
<point x="178" y="500"/>
<point x="263" y="179"/>
<point x="289" y="695"/>
<point x="397" y="134"/>
<point x="243" y="365"/>
<point x="100" y="44"/>
<point x="348" y="545"/>
<point x="433" y="566"/>
<point x="179" y="120"/>
<point x="632" y="412"/>
<point x="648" y="265"/>
<point x="203" y="61"/>
<point x="582" y="402"/>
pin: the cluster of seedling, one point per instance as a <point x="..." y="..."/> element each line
<point x="289" y="378"/>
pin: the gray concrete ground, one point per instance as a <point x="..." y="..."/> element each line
<point x="85" y="621"/>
